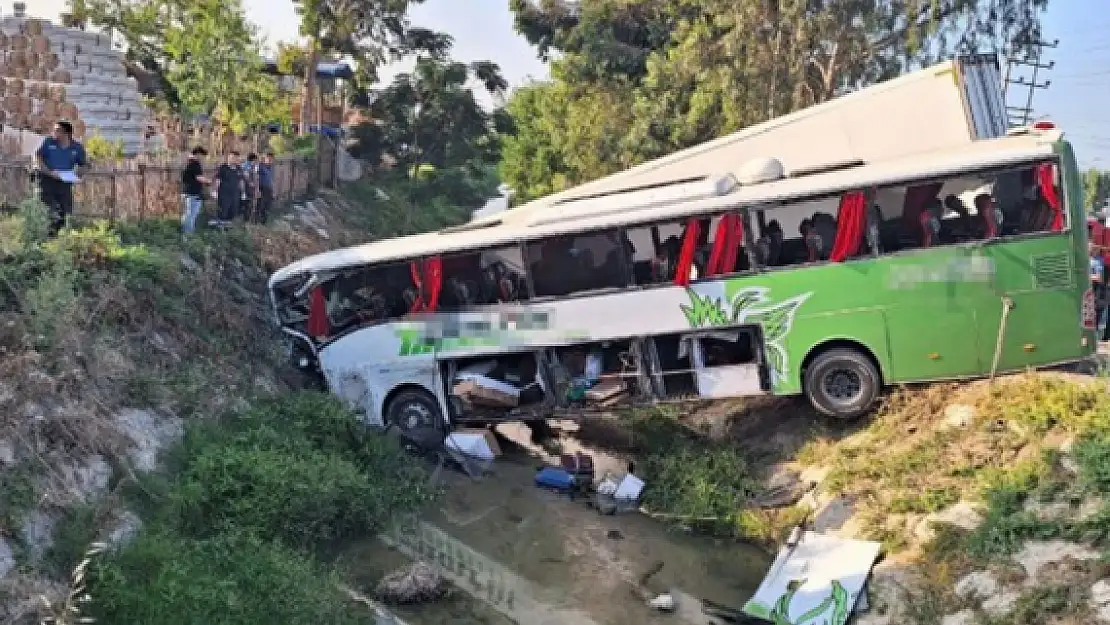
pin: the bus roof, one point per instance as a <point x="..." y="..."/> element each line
<point x="587" y="215"/>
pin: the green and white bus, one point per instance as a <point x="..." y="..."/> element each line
<point x="830" y="282"/>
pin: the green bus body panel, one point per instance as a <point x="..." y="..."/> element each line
<point x="932" y="314"/>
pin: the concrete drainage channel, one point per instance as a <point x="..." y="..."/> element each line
<point x="509" y="594"/>
<point x="488" y="581"/>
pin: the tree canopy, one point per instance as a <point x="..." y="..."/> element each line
<point x="206" y="53"/>
<point x="1096" y="189"/>
<point x="636" y="79"/>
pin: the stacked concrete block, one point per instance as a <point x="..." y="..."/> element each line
<point x="49" y="73"/>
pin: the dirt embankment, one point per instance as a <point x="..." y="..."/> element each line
<point x="111" y="338"/>
<point x="990" y="498"/>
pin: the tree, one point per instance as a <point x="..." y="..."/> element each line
<point x="685" y="71"/>
<point x="370" y="31"/>
<point x="1096" y="189"/>
<point x="205" y="52"/>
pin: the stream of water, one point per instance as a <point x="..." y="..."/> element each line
<point x="518" y="554"/>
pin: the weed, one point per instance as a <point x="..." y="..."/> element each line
<point x="17" y="495"/>
<point x="228" y="579"/>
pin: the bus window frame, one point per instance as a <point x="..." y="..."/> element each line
<point x="1065" y="199"/>
<point x="544" y="299"/>
<point x="764" y="209"/>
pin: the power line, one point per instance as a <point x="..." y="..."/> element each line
<point x="1021" y="115"/>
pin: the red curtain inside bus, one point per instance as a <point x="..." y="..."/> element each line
<point x="1046" y="180"/>
<point x="686" y="255"/>
<point x="726" y="245"/>
<point x="916" y="199"/>
<point x="851" y="224"/>
<point x="318" y="326"/>
<point x="427" y="277"/>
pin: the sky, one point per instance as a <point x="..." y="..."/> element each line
<point x="1078" y="99"/>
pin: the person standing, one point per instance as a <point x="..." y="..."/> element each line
<point x="250" y="186"/>
<point x="265" y="187"/>
<point x="229" y="188"/>
<point x="192" y="189"/>
<point x="60" y="154"/>
<point x="1098" y="285"/>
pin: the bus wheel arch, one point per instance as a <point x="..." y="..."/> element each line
<point x="415" y="413"/>
<point x="841" y="378"/>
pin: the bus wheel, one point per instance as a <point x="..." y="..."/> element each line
<point x="842" y="383"/>
<point x="417" y="417"/>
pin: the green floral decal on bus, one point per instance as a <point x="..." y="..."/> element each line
<point x="749" y="305"/>
<point x="832" y="611"/>
<point x="414" y="342"/>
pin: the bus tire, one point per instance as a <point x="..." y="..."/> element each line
<point x="415" y="415"/>
<point x="842" y="383"/>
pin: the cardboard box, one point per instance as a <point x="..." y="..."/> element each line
<point x="474" y="391"/>
<point x="474" y="442"/>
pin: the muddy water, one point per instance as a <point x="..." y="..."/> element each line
<point x="518" y="554"/>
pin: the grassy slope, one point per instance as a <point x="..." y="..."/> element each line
<point x="111" y="318"/>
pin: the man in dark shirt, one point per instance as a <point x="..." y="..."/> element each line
<point x="250" y="186"/>
<point x="265" y="187"/>
<point x="59" y="156"/>
<point x="192" y="189"/>
<point x="229" y="188"/>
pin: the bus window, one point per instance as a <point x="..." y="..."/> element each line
<point x="483" y="277"/>
<point x="577" y="263"/>
<point x="970" y="208"/>
<point x="367" y="295"/>
<point x="811" y="231"/>
<point x="717" y="243"/>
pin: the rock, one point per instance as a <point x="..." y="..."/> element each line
<point x="784" y="488"/>
<point x="1001" y="604"/>
<point x="958" y="416"/>
<point x="1048" y="511"/>
<point x="663" y="603"/>
<point x="150" y="433"/>
<point x="978" y="585"/>
<point x="1035" y="554"/>
<point x="964" y="515"/>
<point x="7" y="558"/>
<point x="416" y="583"/>
<point x="963" y="617"/>
<point x="834" y="514"/>
<point x="7" y="453"/>
<point x="1069" y="464"/>
<point x="815" y="475"/>
<point x="323" y="234"/>
<point x="189" y="264"/>
<point x="125" y="527"/>
<point x="1100" y="600"/>
<point x="37" y="532"/>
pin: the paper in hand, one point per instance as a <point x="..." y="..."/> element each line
<point x="68" y="176"/>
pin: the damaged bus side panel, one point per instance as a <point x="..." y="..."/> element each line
<point x="435" y="387"/>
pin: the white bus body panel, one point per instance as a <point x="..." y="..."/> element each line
<point x="943" y="106"/>
<point x="363" y="367"/>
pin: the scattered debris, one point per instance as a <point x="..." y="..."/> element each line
<point x="664" y="603"/>
<point x="959" y="416"/>
<point x="417" y="583"/>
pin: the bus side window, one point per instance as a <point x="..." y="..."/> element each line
<point x="655" y="250"/>
<point x="578" y="263"/>
<point x="974" y="207"/>
<point x="482" y="278"/>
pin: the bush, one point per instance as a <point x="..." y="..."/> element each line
<point x="300" y="468"/>
<point x="229" y="579"/>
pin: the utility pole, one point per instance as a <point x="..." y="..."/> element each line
<point x="1022" y="115"/>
